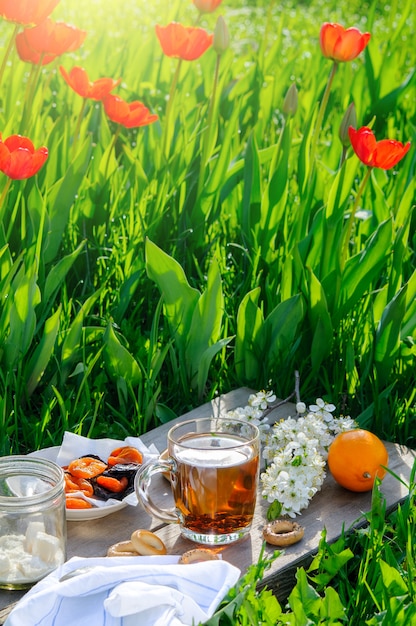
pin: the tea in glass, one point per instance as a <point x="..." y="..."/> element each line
<point x="213" y="465"/>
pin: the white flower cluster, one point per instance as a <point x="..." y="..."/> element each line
<point x="295" y="450"/>
<point x="258" y="403"/>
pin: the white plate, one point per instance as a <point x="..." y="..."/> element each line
<point x="79" y="515"/>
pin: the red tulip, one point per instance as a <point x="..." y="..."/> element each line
<point x="44" y="42"/>
<point x="207" y="6"/>
<point x="27" y="11"/>
<point x="18" y="157"/>
<point x="78" y="80"/>
<point x="342" y="44"/>
<point x="129" y="114"/>
<point x="184" y="42"/>
<point x="27" y="54"/>
<point x="384" y="154"/>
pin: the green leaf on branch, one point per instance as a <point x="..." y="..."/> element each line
<point x="274" y="511"/>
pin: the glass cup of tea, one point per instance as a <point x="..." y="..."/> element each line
<point x="213" y="466"/>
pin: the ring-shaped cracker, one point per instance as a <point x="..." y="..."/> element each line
<point x="283" y="533"/>
<point x="122" y="548"/>
<point x="147" y="543"/>
<point x="197" y="555"/>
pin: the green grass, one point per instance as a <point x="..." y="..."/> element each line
<point x="366" y="577"/>
<point x="244" y="248"/>
<point x="210" y="250"/>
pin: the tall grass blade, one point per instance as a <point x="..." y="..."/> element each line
<point x="43" y="353"/>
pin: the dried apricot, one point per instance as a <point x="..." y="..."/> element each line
<point x="125" y="454"/>
<point x="73" y="483"/>
<point x="86" y="467"/>
<point x="77" y="503"/>
<point x="113" y="484"/>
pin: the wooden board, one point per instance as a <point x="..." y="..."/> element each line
<point x="332" y="508"/>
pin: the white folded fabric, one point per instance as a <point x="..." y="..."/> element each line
<point x="126" y="591"/>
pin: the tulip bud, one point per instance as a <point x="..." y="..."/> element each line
<point x="290" y="103"/>
<point x="349" y="119"/>
<point x="206" y="6"/>
<point x="221" y="39"/>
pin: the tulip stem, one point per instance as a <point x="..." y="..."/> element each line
<point x="2" y="200"/>
<point x="3" y="196"/>
<point x="30" y="94"/>
<point x="207" y="134"/>
<point x="8" y="51"/>
<point x="351" y="217"/>
<point x="78" y="126"/>
<point x="319" y="119"/>
<point x="165" y="144"/>
<point x="343" y="156"/>
<point x="13" y="215"/>
<point x="41" y="229"/>
<point x="113" y="143"/>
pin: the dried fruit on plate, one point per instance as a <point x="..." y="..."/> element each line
<point x="125" y="455"/>
<point x="87" y="467"/>
<point x="113" y="484"/>
<point x="105" y="489"/>
<point x="77" y="503"/>
<point x="98" y="479"/>
<point x="72" y="484"/>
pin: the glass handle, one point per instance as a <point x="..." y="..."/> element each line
<point x="142" y="486"/>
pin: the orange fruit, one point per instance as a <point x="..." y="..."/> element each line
<point x="355" y="458"/>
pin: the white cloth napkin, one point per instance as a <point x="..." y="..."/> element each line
<point x="129" y="591"/>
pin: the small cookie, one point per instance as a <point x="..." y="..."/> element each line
<point x="197" y="555"/>
<point x="147" y="543"/>
<point x="122" y="548"/>
<point x="283" y="533"/>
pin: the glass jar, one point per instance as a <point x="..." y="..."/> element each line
<point x="32" y="520"/>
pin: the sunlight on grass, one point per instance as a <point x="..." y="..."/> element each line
<point x="224" y="179"/>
